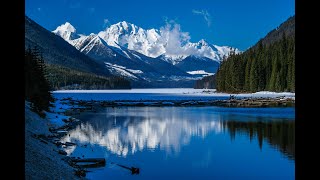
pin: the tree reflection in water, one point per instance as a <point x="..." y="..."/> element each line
<point x="279" y="134"/>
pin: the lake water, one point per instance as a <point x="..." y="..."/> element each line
<point x="188" y="142"/>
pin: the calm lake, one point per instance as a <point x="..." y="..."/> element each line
<point x="188" y="142"/>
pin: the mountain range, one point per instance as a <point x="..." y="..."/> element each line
<point x="148" y="58"/>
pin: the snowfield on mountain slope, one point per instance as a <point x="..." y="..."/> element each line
<point x="123" y="71"/>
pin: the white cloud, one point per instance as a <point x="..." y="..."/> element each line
<point x="172" y="41"/>
<point x="205" y="14"/>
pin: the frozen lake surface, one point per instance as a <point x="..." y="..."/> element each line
<point x="160" y="94"/>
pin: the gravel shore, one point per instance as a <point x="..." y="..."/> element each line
<point x="42" y="160"/>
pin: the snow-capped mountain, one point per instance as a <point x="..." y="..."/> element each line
<point x="132" y="37"/>
<point x="122" y="61"/>
<point x="93" y="46"/>
<point x="67" y="32"/>
<point x="165" y="42"/>
<point x="214" y="52"/>
<point x="147" y="55"/>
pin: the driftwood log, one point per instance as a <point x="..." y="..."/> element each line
<point x="89" y="162"/>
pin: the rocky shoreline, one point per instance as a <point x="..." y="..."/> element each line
<point x="257" y="102"/>
<point x="94" y="105"/>
<point x="44" y="156"/>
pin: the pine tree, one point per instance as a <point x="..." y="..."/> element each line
<point x="253" y="76"/>
<point x="274" y="71"/>
<point x="247" y="75"/>
<point x="37" y="88"/>
<point x="293" y="85"/>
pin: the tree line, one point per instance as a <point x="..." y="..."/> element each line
<point x="42" y="78"/>
<point x="207" y="82"/>
<point x="66" y="78"/>
<point x="37" y="87"/>
<point x="264" y="68"/>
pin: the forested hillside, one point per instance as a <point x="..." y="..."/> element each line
<point x="207" y="82"/>
<point x="66" y="67"/>
<point x="268" y="66"/>
<point x="65" y="78"/>
<point x="263" y="69"/>
<point x="55" y="50"/>
<point x="37" y="87"/>
<point x="287" y="28"/>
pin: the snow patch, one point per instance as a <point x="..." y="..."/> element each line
<point x="201" y="72"/>
<point x="123" y="71"/>
<point x="135" y="71"/>
<point x="67" y="32"/>
<point x="136" y="56"/>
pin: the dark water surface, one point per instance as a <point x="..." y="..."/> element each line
<point x="188" y="142"/>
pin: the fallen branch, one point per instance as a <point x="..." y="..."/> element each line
<point x="133" y="170"/>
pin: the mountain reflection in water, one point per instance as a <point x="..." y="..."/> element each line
<point x="127" y="130"/>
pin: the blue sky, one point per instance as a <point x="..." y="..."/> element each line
<point x="236" y="23"/>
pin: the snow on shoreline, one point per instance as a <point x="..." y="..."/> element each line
<point x="42" y="160"/>
<point x="163" y="94"/>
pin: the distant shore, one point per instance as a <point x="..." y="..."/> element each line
<point x="94" y="105"/>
